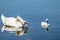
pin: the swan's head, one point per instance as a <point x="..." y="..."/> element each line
<point x="46" y="20"/>
<point x="25" y="23"/>
<point x="19" y="19"/>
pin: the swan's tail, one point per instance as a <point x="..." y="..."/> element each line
<point x="3" y="18"/>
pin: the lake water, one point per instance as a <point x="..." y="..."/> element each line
<point x="34" y="12"/>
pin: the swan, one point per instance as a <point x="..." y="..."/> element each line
<point x="45" y="24"/>
<point x="11" y="22"/>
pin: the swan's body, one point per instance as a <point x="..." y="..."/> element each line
<point x="45" y="24"/>
<point x="11" y="23"/>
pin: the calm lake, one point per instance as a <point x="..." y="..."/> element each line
<point x="34" y="12"/>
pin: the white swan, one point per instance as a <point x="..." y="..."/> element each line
<point x="12" y="22"/>
<point x="45" y="24"/>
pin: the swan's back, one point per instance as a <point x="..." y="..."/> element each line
<point x="44" y="24"/>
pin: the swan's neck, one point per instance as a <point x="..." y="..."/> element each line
<point x="47" y="21"/>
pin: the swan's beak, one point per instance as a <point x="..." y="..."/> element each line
<point x="25" y="24"/>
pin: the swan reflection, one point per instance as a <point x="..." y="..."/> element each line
<point x="18" y="31"/>
<point x="22" y="32"/>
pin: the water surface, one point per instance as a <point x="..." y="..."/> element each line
<point x="34" y="12"/>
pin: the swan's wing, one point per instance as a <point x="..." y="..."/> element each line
<point x="20" y="19"/>
<point x="44" y="24"/>
<point x="19" y="24"/>
<point x="11" y="22"/>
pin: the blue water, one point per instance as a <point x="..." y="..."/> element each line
<point x="34" y="12"/>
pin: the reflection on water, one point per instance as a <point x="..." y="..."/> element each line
<point x="21" y="32"/>
<point x="18" y="31"/>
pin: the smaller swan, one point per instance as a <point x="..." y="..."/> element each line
<point x="45" y="24"/>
